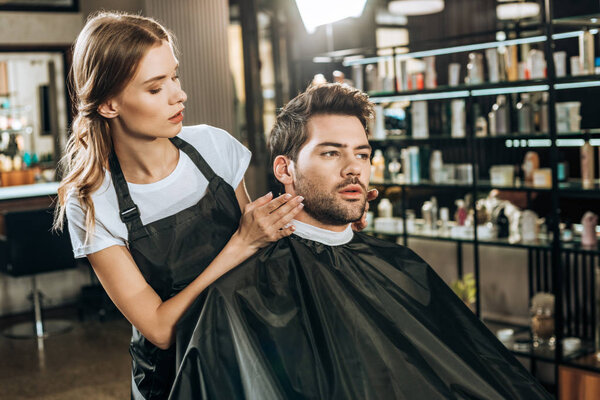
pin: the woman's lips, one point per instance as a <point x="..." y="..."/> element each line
<point x="177" y="118"/>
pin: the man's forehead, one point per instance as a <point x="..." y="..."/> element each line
<point x="343" y="129"/>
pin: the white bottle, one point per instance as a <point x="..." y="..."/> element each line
<point x="436" y="166"/>
<point x="384" y="209"/>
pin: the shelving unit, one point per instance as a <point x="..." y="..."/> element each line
<point x="564" y="268"/>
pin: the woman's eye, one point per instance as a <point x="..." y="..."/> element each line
<point x="176" y="77"/>
<point x="155" y="91"/>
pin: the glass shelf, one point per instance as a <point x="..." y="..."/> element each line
<point x="587" y="361"/>
<point x="404" y="138"/>
<point x="572" y="188"/>
<point x="486" y="89"/>
<point x="461" y="49"/>
<point x="523" y="347"/>
<point x="590" y="20"/>
<point x="542" y="244"/>
<point x="425" y="184"/>
<point x="563" y="137"/>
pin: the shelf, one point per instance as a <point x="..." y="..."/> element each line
<point x="587" y="362"/>
<point x="424" y="184"/>
<point x="461" y="49"/>
<point x="404" y="138"/>
<point x="523" y="347"/>
<point x="590" y="20"/>
<point x="541" y="244"/>
<point x="486" y="89"/>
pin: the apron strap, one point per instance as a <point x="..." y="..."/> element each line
<point x="196" y="157"/>
<point x="128" y="210"/>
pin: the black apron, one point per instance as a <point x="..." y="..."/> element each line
<point x="170" y="253"/>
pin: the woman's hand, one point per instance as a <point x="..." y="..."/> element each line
<point x="362" y="223"/>
<point x="267" y="220"/>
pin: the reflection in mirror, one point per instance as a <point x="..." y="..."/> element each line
<point x="33" y="116"/>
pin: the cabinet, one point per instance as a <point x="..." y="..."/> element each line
<point x="556" y="262"/>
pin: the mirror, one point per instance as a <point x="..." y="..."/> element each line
<point x="34" y="114"/>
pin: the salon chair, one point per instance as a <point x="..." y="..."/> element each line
<point x="29" y="248"/>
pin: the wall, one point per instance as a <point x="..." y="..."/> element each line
<point x="201" y="27"/>
<point x="31" y="29"/>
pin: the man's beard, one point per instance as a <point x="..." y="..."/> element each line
<point x="327" y="207"/>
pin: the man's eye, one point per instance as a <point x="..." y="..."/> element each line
<point x="176" y="77"/>
<point x="363" y="156"/>
<point x="330" y="153"/>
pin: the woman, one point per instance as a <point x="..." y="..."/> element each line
<point x="152" y="205"/>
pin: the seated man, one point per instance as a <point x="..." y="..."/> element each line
<point x="332" y="314"/>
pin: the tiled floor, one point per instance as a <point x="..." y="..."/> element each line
<point x="89" y="362"/>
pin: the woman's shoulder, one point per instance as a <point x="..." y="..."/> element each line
<point x="200" y="133"/>
<point x="103" y="194"/>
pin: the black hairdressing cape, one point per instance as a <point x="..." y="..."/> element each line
<point x="364" y="320"/>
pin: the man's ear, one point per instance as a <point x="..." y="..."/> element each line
<point x="283" y="170"/>
<point x="109" y="109"/>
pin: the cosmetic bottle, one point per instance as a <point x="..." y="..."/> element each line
<point x="430" y="73"/>
<point x="475" y="69"/>
<point x="434" y="214"/>
<point x="458" y="128"/>
<point x="502" y="116"/>
<point x="384" y="208"/>
<point x="544" y="114"/>
<point x="587" y="165"/>
<point x="461" y="212"/>
<point x="493" y="65"/>
<point x="525" y="115"/>
<point x="436" y="167"/>
<point x="405" y="157"/>
<point x="377" y="166"/>
<point x="380" y="132"/>
<point x="588" y="236"/>
<point x="415" y="168"/>
<point x="420" y="128"/>
<point x="394" y="169"/>
<point x="586" y="53"/>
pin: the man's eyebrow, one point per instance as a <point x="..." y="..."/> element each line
<point x="160" y="77"/>
<point x="332" y="144"/>
<point x="340" y="145"/>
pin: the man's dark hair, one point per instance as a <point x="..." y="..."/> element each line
<point x="289" y="133"/>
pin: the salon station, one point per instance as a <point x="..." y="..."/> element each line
<point x="485" y="155"/>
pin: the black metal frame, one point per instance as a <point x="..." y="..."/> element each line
<point x="27" y="6"/>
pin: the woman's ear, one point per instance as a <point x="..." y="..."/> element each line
<point x="283" y="170"/>
<point x="109" y="109"/>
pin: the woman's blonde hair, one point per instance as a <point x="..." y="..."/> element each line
<point x="106" y="55"/>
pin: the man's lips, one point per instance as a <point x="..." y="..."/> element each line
<point x="352" y="191"/>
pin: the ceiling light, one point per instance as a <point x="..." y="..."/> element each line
<point x="415" y="7"/>
<point x="315" y="13"/>
<point x="517" y="10"/>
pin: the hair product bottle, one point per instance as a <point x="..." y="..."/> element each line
<point x="587" y="165"/>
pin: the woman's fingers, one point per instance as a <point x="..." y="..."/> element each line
<point x="286" y="212"/>
<point x="261" y="201"/>
<point x="276" y="203"/>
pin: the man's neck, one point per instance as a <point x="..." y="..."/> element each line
<point x="307" y="219"/>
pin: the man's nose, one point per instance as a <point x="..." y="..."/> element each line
<point x="352" y="167"/>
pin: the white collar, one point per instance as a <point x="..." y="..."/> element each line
<point x="325" y="236"/>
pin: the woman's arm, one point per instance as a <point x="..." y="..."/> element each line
<point x="261" y="223"/>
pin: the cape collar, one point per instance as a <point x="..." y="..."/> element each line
<point x="325" y="236"/>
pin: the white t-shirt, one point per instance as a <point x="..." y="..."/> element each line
<point x="183" y="188"/>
